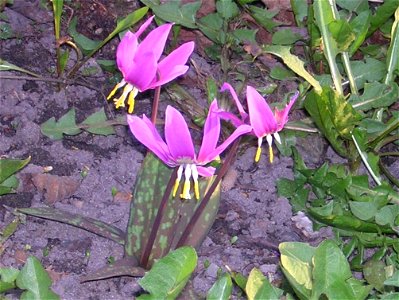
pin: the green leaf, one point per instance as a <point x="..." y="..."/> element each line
<point x="171" y="11"/>
<point x="11" y="166"/>
<point x="65" y="125"/>
<point x="86" y="44"/>
<point x="34" y="278"/>
<point x="369" y="71"/>
<point x="294" y="63"/>
<point x="353" y="5"/>
<point x="285" y="37"/>
<point x="107" y="64"/>
<point x="97" y="123"/>
<point x="9" y="185"/>
<point x="375" y="95"/>
<point x="6" y="66"/>
<point x="222" y="288"/>
<point x="169" y="275"/>
<point x="393" y="280"/>
<point x="296" y="262"/>
<point x="281" y="73"/>
<point x="7" y="278"/>
<point x="6" y="31"/>
<point x="360" y="26"/>
<point x="227" y="9"/>
<point x="300" y="9"/>
<point x="57" y="9"/>
<point x="342" y="32"/>
<point x="264" y="17"/>
<point x="374" y="273"/>
<point x="258" y="287"/>
<point x="363" y="210"/>
<point x="127" y="22"/>
<point x="383" y="13"/>
<point x="393" y="51"/>
<point x="387" y="215"/>
<point x="245" y="35"/>
<point x="211" y="25"/>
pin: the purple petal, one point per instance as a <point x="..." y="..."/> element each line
<point x="211" y="132"/>
<point x="177" y="135"/>
<point x="173" y="73"/>
<point x="281" y="116"/>
<point x="227" y="86"/>
<point x="146" y="133"/>
<point x="243" y="129"/>
<point x="260" y="115"/>
<point x="142" y="71"/>
<point x="206" y="171"/>
<point x="144" y="26"/>
<point x="228" y="116"/>
<point x="126" y="52"/>
<point x="154" y="42"/>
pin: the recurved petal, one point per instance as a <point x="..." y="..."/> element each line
<point x="155" y="41"/>
<point x="146" y="133"/>
<point x="142" y="71"/>
<point x="261" y="116"/>
<point x="177" y="135"/>
<point x="167" y="77"/>
<point x="126" y="52"/>
<point x="211" y="132"/>
<point x="177" y="57"/>
<point x="227" y="86"/>
<point x="144" y="26"/>
<point x="243" y="129"/>
<point x="228" y="116"/>
<point x="206" y="171"/>
<point x="281" y="116"/>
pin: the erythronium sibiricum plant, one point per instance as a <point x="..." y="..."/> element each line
<point x="140" y="65"/>
<point x="264" y="122"/>
<point x="178" y="150"/>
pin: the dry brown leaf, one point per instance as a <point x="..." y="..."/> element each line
<point x="123" y="197"/>
<point x="20" y="256"/>
<point x="55" y="187"/>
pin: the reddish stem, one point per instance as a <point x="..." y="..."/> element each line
<point x="155" y="104"/>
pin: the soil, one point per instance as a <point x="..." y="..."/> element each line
<point x="250" y="208"/>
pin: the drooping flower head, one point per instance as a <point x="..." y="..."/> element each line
<point x="264" y="122"/>
<point x="140" y="65"/>
<point x="178" y="150"/>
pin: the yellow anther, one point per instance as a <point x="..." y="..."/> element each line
<point x="130" y="102"/>
<point x="175" y="187"/>
<point x="113" y="92"/>
<point x="271" y="154"/>
<point x="196" y="190"/>
<point x="186" y="190"/>
<point x="120" y="102"/>
<point x="258" y="152"/>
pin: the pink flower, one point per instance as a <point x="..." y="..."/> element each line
<point x="178" y="150"/>
<point x="264" y="122"/>
<point x="140" y="65"/>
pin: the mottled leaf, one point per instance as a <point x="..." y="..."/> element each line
<point x="221" y="289"/>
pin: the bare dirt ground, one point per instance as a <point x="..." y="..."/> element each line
<point x="250" y="208"/>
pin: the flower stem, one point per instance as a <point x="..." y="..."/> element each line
<point x="219" y="175"/>
<point x="157" y="222"/>
<point x="155" y="104"/>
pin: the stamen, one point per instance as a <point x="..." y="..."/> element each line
<point x="186" y="187"/>
<point x="131" y="99"/>
<point x="194" y="173"/>
<point x="117" y="87"/>
<point x="120" y="102"/>
<point x="259" y="150"/>
<point x="277" y="137"/>
<point x="269" y="139"/>
<point x="179" y="174"/>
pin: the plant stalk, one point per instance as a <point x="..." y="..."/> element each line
<point x="198" y="212"/>
<point x="155" y="104"/>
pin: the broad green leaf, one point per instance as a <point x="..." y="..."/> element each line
<point x="86" y="44"/>
<point x="294" y="63"/>
<point x="296" y="262"/>
<point x="227" y="9"/>
<point x="107" y="64"/>
<point x="353" y="5"/>
<point x="211" y="25"/>
<point x="97" y="123"/>
<point x="393" y="280"/>
<point x="258" y="287"/>
<point x="264" y="17"/>
<point x="169" y="275"/>
<point x="6" y="66"/>
<point x="374" y="273"/>
<point x="172" y="11"/>
<point x="285" y="37"/>
<point x="245" y="35"/>
<point x="360" y="26"/>
<point x="286" y="187"/>
<point x="281" y="73"/>
<point x="370" y="70"/>
<point x="65" y="125"/>
<point x="34" y="279"/>
<point x="9" y="185"/>
<point x="330" y="273"/>
<point x="300" y="9"/>
<point x="393" y="51"/>
<point x="7" y="278"/>
<point x="387" y="215"/>
<point x="383" y="13"/>
<point x="363" y="210"/>
<point x="375" y="95"/>
<point x="342" y="33"/>
<point x="11" y="166"/>
<point x="222" y="288"/>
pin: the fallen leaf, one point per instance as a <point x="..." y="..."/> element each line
<point x="20" y="256"/>
<point x="123" y="197"/>
<point x="55" y="187"/>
